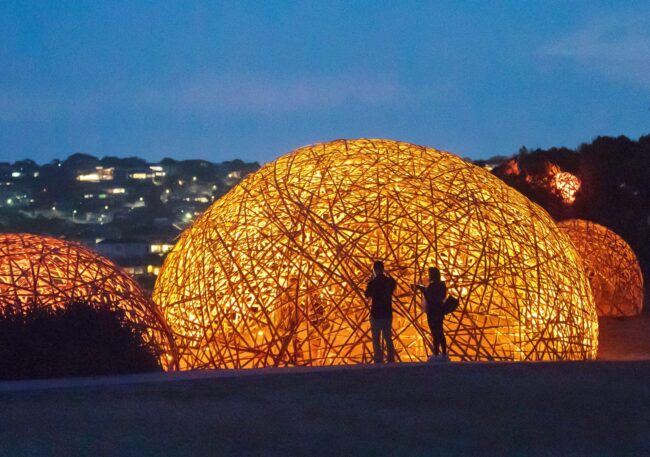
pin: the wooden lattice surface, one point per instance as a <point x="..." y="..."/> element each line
<point x="48" y="272"/>
<point x="273" y="273"/>
<point x="612" y="267"/>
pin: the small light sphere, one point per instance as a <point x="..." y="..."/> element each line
<point x="273" y="273"/>
<point x="612" y="267"/>
<point x="48" y="272"/>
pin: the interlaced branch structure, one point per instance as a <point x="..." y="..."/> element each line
<point x="47" y="272"/>
<point x="611" y="265"/>
<point x="273" y="273"/>
<point x="566" y="185"/>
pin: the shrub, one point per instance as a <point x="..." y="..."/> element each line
<point x="76" y="340"/>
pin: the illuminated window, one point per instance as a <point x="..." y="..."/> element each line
<point x="99" y="174"/>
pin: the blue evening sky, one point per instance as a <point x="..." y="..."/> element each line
<point x="224" y="80"/>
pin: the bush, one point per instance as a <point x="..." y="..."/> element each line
<point x="76" y="340"/>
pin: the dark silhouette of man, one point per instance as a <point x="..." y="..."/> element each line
<point x="434" y="295"/>
<point x="380" y="290"/>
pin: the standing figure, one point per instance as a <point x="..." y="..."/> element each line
<point x="434" y="298"/>
<point x="380" y="290"/>
<point x="316" y="333"/>
<point x="288" y="324"/>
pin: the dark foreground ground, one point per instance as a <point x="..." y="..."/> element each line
<point x="582" y="408"/>
<point x="625" y="339"/>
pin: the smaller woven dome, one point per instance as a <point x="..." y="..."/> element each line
<point x="612" y="267"/>
<point x="48" y="272"/>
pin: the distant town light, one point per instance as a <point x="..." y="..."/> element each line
<point x="160" y="248"/>
<point x="158" y="171"/>
<point x="100" y="174"/>
<point x="16" y="174"/>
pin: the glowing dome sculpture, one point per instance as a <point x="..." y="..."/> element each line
<point x="612" y="267"/>
<point x="566" y="185"/>
<point x="273" y="273"/>
<point x="48" y="272"/>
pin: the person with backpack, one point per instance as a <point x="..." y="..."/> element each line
<point x="435" y="308"/>
<point x="380" y="290"/>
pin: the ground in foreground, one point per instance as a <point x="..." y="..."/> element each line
<point x="581" y="408"/>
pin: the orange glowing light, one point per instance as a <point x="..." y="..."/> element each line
<point x="566" y="186"/>
<point x="511" y="168"/>
<point x="612" y="267"/>
<point x="47" y="272"/>
<point x="273" y="273"/>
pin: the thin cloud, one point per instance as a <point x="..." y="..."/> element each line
<point x="617" y="46"/>
<point x="40" y="107"/>
<point x="258" y="96"/>
<point x="210" y="95"/>
<point x="15" y="107"/>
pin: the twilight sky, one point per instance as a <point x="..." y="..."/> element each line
<point x="224" y="80"/>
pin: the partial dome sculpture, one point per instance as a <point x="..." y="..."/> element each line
<point x="42" y="271"/>
<point x="612" y="267"/>
<point x="273" y="273"/>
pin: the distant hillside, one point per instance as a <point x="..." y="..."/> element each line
<point x="606" y="181"/>
<point x="91" y="200"/>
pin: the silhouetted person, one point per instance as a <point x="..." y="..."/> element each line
<point x="319" y="324"/>
<point x="290" y="320"/>
<point x="380" y="290"/>
<point x="434" y="296"/>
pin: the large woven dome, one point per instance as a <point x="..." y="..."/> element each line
<point x="273" y="273"/>
<point x="48" y="272"/>
<point x="611" y="265"/>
